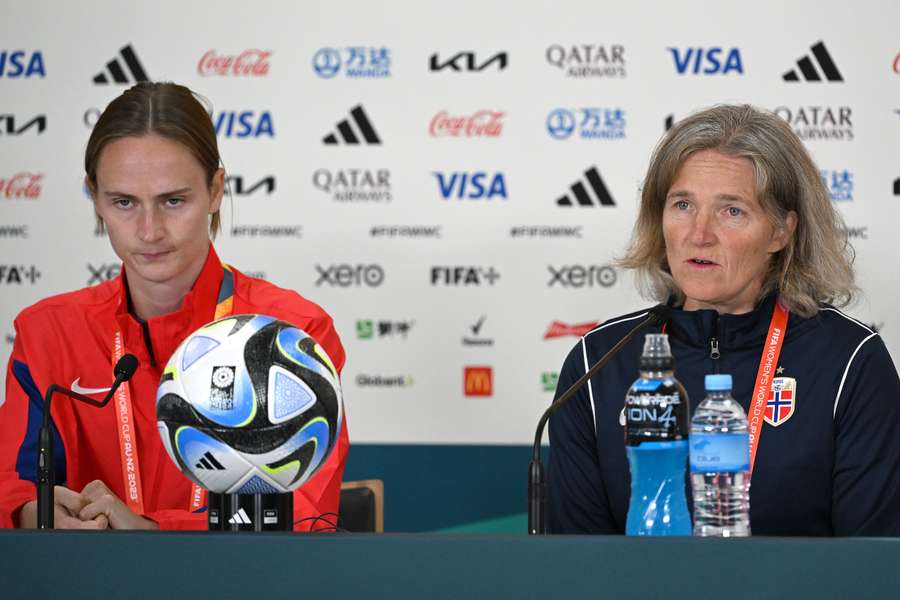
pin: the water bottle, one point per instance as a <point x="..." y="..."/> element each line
<point x="720" y="463"/>
<point x="656" y="440"/>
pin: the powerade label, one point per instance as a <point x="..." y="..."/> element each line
<point x="656" y="410"/>
<point x="719" y="452"/>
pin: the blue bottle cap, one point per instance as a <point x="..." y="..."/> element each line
<point x="718" y="383"/>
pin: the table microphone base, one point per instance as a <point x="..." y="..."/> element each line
<point x="251" y="512"/>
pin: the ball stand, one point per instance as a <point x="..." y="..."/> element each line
<point x="251" y="512"/>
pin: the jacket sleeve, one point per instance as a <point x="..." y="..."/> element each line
<point x="20" y="421"/>
<point x="577" y="495"/>
<point x="866" y="480"/>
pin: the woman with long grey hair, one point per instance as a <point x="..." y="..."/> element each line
<point x="736" y="232"/>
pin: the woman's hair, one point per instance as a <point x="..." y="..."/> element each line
<point x="165" y="109"/>
<point x="814" y="266"/>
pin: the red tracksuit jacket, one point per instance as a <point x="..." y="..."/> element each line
<point x="67" y="339"/>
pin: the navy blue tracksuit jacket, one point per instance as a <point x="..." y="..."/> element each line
<point x="830" y="467"/>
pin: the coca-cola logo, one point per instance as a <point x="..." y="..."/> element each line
<point x="484" y="123"/>
<point x="26" y="186"/>
<point x="252" y="62"/>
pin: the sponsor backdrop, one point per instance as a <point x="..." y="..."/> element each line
<point x="451" y="182"/>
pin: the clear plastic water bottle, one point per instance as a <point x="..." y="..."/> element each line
<point x="720" y="463"/>
<point x="656" y="440"/>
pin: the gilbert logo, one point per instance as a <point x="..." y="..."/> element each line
<point x="478" y="381"/>
<point x="249" y="63"/>
<point x="560" y="329"/>
<point x="484" y="123"/>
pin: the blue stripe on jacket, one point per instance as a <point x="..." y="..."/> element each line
<point x="26" y="462"/>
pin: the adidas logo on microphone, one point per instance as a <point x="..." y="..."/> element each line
<point x="602" y="196"/>
<point x="116" y="70"/>
<point x="347" y="134"/>
<point x="807" y="66"/>
<point x="240" y="518"/>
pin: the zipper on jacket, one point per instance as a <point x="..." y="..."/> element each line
<point x="147" y="342"/>
<point x="714" y="353"/>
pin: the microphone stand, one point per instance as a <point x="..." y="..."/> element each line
<point x="536" y="487"/>
<point x="124" y="369"/>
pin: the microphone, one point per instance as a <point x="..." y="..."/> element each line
<point x="657" y="315"/>
<point x="123" y="371"/>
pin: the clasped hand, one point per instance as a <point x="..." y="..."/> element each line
<point x="96" y="507"/>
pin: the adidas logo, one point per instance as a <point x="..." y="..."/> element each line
<point x="209" y="463"/>
<point x="240" y="518"/>
<point x="348" y="135"/>
<point x="581" y="194"/>
<point x="808" y="67"/>
<point x="115" y="69"/>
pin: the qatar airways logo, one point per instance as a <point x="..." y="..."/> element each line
<point x="484" y="123"/>
<point x="249" y="63"/>
<point x="21" y="186"/>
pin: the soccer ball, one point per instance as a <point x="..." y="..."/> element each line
<point x="249" y="404"/>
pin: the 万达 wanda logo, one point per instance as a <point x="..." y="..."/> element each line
<point x="392" y="381"/>
<point x="102" y="273"/>
<point x="350" y="275"/>
<point x="21" y="186"/>
<point x="19" y="274"/>
<point x="483" y="123"/>
<point x="579" y="276"/>
<point x="588" y="60"/>
<point x="357" y="61"/>
<point x="249" y="63"/>
<point x="593" y="123"/>
<point x="354" y="185"/>
<point x="819" y="122"/>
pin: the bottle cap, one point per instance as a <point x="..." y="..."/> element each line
<point x="718" y="383"/>
<point x="657" y="353"/>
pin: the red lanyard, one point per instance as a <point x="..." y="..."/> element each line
<point x="764" y="375"/>
<point x="767" y="362"/>
<point x="128" y="450"/>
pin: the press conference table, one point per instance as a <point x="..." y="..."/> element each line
<point x="200" y="565"/>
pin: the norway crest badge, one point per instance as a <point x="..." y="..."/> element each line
<point x="782" y="399"/>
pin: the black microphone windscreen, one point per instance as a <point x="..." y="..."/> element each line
<point x="126" y="367"/>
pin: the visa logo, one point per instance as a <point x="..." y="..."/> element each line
<point x="231" y="123"/>
<point x="707" y="61"/>
<point x="472" y="186"/>
<point x="16" y="64"/>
